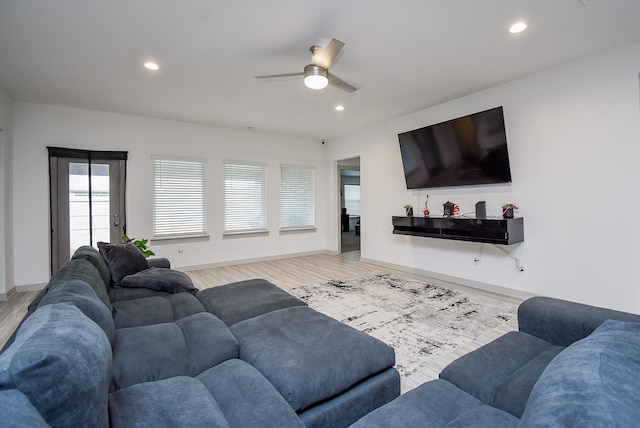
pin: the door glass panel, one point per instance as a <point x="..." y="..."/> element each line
<point x="88" y="224"/>
<point x="100" y="203"/>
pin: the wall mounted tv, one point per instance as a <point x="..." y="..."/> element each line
<point x="467" y="151"/>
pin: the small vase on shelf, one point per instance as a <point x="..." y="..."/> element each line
<point x="409" y="210"/>
<point x="507" y="210"/>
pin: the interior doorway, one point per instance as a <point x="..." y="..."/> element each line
<point x="349" y="190"/>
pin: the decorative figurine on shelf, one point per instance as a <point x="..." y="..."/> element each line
<point x="425" y="211"/>
<point x="456" y="210"/>
<point x="507" y="210"/>
<point x="448" y="208"/>
<point x="409" y="209"/>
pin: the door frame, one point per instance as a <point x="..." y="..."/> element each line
<point x="59" y="160"/>
<point x="346" y="164"/>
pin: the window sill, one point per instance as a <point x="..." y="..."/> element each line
<point x="288" y="230"/>
<point x="161" y="239"/>
<point x="244" y="233"/>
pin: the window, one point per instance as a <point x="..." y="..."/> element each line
<point x="179" y="201"/>
<point x="245" y="197"/>
<point x="297" y="197"/>
<point x="352" y="198"/>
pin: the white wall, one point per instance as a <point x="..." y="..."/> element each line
<point x="38" y="126"/>
<point x="573" y="135"/>
<point x="574" y="144"/>
<point x="6" y="238"/>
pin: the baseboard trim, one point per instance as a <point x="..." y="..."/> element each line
<point x="30" y="287"/>
<point x="253" y="260"/>
<point x="491" y="288"/>
<point x="21" y="288"/>
<point x="8" y="294"/>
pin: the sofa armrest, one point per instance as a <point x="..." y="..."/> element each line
<point x="159" y="262"/>
<point x="561" y="322"/>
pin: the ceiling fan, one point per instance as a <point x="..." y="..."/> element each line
<point x="316" y="75"/>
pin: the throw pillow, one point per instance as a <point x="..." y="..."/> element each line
<point x="161" y="279"/>
<point x="122" y="260"/>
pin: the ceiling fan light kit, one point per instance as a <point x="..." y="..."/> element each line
<point x="315" y="77"/>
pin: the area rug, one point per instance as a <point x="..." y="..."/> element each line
<point x="421" y="321"/>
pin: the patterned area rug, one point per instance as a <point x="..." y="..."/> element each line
<point x="420" y="321"/>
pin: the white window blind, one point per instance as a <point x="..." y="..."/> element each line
<point x="297" y="197"/>
<point x="245" y="197"/>
<point x="179" y="198"/>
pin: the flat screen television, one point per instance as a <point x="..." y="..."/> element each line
<point x="467" y="151"/>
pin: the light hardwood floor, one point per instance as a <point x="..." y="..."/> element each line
<point x="11" y="313"/>
<point x="286" y="273"/>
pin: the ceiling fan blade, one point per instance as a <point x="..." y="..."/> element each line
<point x="326" y="56"/>
<point x="341" y="84"/>
<point x="269" y="76"/>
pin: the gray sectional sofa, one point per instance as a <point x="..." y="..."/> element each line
<point x="94" y="352"/>
<point x="568" y="365"/>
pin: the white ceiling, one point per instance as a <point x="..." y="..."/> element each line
<point x="403" y="55"/>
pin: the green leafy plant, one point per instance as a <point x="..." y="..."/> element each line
<point x="141" y="244"/>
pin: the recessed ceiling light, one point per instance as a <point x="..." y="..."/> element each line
<point x="518" y="27"/>
<point x="151" y="66"/>
<point x="339" y="108"/>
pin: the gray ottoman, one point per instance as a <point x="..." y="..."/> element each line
<point x="242" y="300"/>
<point x="311" y="358"/>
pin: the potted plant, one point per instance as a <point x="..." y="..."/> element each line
<point x="409" y="210"/>
<point x="507" y="210"/>
<point x="141" y="244"/>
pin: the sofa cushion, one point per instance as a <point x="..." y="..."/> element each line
<point x="118" y="294"/>
<point x="94" y="257"/>
<point x="562" y="322"/>
<point x="296" y="350"/>
<point x="593" y="382"/>
<point x="82" y="296"/>
<point x="155" y="310"/>
<point x="18" y="412"/>
<point x="355" y="402"/>
<point x="502" y="372"/>
<point x="176" y="402"/>
<point x="84" y="271"/>
<point x="484" y="416"/>
<point x="242" y="300"/>
<point x="436" y="404"/>
<point x="160" y="279"/>
<point x="61" y="361"/>
<point x="512" y="395"/>
<point x="159" y="262"/>
<point x="246" y="398"/>
<point x="186" y="347"/>
<point x="122" y="260"/>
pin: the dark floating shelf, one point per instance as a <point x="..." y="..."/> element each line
<point x="504" y="231"/>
